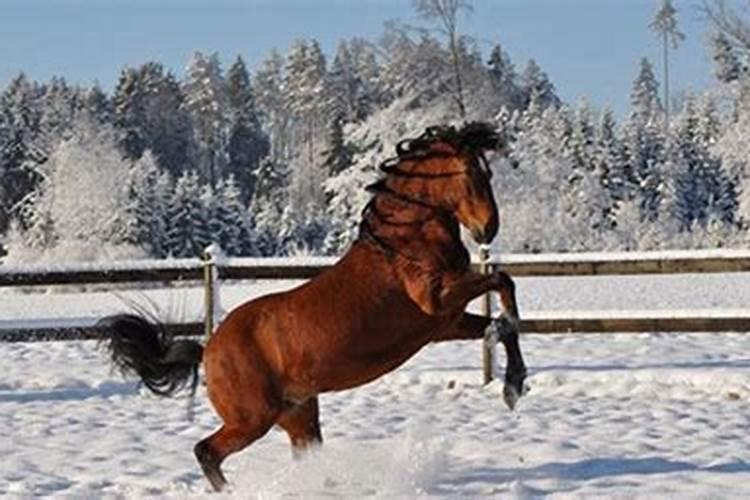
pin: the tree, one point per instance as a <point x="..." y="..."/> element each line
<point x="664" y="25"/>
<point x="503" y="78"/>
<point x="83" y="195"/>
<point x="305" y="94"/>
<point x="248" y="144"/>
<point x="344" y="86"/>
<point x="148" y="110"/>
<point x="445" y="13"/>
<point x="206" y="102"/>
<point x="537" y="86"/>
<point x="269" y="84"/>
<point x="226" y="216"/>
<point x="644" y="98"/>
<point x="727" y="66"/>
<point x="726" y="20"/>
<point x="338" y="156"/>
<point x="149" y="196"/>
<point x="20" y="129"/>
<point x="700" y="189"/>
<point x="188" y="232"/>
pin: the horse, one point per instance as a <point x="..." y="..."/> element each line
<point x="404" y="283"/>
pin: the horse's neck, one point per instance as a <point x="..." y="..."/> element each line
<point x="421" y="234"/>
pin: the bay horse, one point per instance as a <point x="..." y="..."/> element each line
<point x="404" y="283"/>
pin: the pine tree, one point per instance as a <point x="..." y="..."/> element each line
<point x="338" y="156"/>
<point x="148" y="110"/>
<point x="608" y="157"/>
<point x="700" y="188"/>
<point x="149" y="191"/>
<point x="206" y="102"/>
<point x="226" y="217"/>
<point x="344" y="87"/>
<point x="269" y="84"/>
<point x="537" y="86"/>
<point x="187" y="230"/>
<point x="644" y="98"/>
<point x="727" y="66"/>
<point x="248" y="144"/>
<point x="267" y="207"/>
<point x="305" y="95"/>
<point x="503" y="78"/>
<point x="20" y="123"/>
<point x="367" y="72"/>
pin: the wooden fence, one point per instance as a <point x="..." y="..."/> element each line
<point x="543" y="265"/>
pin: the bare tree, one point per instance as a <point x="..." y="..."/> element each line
<point x="727" y="21"/>
<point x="664" y="25"/>
<point x="445" y="13"/>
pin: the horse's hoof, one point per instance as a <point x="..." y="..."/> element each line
<point x="511" y="396"/>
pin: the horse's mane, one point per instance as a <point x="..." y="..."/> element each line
<point x="472" y="138"/>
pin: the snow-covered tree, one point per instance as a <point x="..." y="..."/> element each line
<point x="445" y="13"/>
<point x="727" y="66"/>
<point x="644" y="97"/>
<point x="227" y="217"/>
<point x="188" y="233"/>
<point x="537" y="86"/>
<point x="147" y="213"/>
<point x="20" y="117"/>
<point x="206" y="101"/>
<point x="248" y="144"/>
<point x="83" y="195"/>
<point x="148" y="110"/>
<point x="503" y="78"/>
<point x="269" y="92"/>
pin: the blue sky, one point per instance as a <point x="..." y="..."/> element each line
<point x="588" y="47"/>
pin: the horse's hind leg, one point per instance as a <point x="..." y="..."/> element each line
<point x="302" y="425"/>
<point x="244" y="396"/>
<point x="212" y="451"/>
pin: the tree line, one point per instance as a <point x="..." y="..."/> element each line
<point x="274" y="161"/>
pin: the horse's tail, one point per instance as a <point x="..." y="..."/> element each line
<point x="138" y="346"/>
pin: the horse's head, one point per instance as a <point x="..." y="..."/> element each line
<point x="445" y="168"/>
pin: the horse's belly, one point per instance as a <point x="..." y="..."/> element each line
<point x="357" y="366"/>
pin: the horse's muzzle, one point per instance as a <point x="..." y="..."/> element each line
<point x="485" y="235"/>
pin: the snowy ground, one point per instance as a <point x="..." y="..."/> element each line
<point x="647" y="416"/>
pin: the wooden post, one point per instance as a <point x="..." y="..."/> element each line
<point x="209" y="267"/>
<point x="488" y="349"/>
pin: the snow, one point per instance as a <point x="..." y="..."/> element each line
<point x="618" y="415"/>
<point x="608" y="416"/>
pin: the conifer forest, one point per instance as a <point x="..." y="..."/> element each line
<point x="274" y="160"/>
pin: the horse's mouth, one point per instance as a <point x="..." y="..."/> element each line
<point x="481" y="236"/>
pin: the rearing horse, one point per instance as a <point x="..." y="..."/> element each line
<point x="404" y="283"/>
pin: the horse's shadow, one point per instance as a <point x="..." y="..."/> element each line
<point x="591" y="469"/>
<point x="104" y="390"/>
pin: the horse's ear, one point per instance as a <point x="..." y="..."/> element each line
<point x="376" y="187"/>
<point x="403" y="147"/>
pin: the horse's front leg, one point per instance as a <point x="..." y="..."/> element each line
<point x="504" y="329"/>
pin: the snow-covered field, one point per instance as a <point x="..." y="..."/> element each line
<point x="646" y="416"/>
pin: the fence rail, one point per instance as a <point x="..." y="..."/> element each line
<point x="593" y="323"/>
<point x="517" y="265"/>
<point x="542" y="265"/>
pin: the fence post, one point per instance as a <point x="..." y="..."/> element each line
<point x="488" y="348"/>
<point x="211" y="304"/>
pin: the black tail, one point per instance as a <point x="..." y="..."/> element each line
<point x="140" y="347"/>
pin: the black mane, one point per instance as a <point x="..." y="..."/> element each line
<point x="473" y="138"/>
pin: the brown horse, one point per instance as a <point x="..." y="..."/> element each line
<point x="403" y="284"/>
